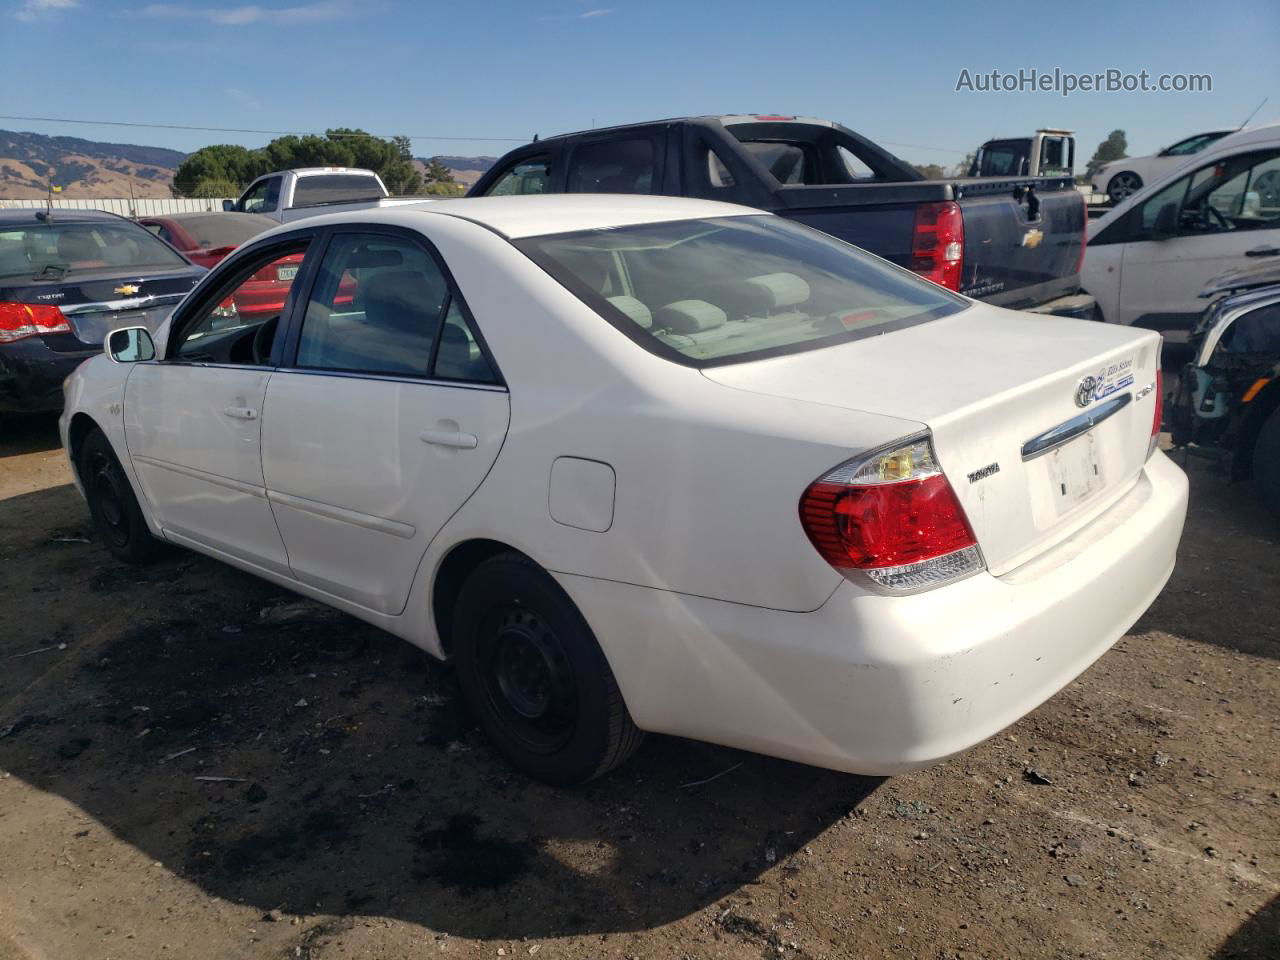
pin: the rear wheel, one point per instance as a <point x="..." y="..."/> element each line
<point x="534" y="676"/>
<point x="114" y="508"/>
<point x="1122" y="185"/>
<point x="1266" y="462"/>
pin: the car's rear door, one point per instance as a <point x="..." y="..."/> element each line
<point x="193" y="420"/>
<point x="386" y="418"/>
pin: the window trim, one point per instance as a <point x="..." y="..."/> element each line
<point x="288" y="361"/>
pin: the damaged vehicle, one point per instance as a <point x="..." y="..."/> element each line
<point x="653" y="464"/>
<point x="1227" y="405"/>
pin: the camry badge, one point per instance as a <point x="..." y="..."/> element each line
<point x="127" y="289"/>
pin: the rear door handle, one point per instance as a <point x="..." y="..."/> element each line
<point x="1262" y="252"/>
<point x="449" y="438"/>
<point x="241" y="413"/>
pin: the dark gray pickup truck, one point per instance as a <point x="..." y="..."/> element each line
<point x="1014" y="242"/>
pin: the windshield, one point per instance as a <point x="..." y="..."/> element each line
<point x="736" y="288"/>
<point x="53" y="250"/>
<point x="224" y="229"/>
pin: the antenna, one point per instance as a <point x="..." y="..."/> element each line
<point x="1255" y="111"/>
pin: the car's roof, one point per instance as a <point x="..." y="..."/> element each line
<point x="531" y="216"/>
<point x="19" y="216"/>
<point x="728" y="119"/>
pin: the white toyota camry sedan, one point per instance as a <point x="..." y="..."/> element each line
<point x="649" y="464"/>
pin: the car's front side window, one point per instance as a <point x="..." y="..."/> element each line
<point x="240" y="318"/>
<point x="382" y="305"/>
<point x="527" y="176"/>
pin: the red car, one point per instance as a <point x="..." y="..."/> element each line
<point x="206" y="238"/>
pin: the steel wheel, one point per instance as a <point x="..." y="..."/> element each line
<point x="528" y="679"/>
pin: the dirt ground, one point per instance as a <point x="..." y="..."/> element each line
<point x="1137" y="814"/>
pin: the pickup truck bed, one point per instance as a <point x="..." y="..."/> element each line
<point x="1012" y="242"/>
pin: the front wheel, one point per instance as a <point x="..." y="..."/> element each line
<point x="1266" y="462"/>
<point x="114" y="508"/>
<point x="1122" y="185"/>
<point x="534" y="676"/>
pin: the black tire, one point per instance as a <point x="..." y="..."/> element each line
<point x="116" y="514"/>
<point x="534" y="676"/>
<point x="1266" y="462"/>
<point x="1123" y="185"/>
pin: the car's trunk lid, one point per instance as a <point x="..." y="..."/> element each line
<point x="986" y="382"/>
<point x="98" y="301"/>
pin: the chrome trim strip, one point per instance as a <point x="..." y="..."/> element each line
<point x="1068" y="430"/>
<point x="115" y="306"/>
<point x="238" y="485"/>
<point x="404" y="531"/>
<point x="391" y="378"/>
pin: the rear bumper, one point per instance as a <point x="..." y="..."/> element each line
<point x="31" y="376"/>
<point x="881" y="685"/>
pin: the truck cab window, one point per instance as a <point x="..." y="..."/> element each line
<point x="613" y="166"/>
<point x="525" y="177"/>
<point x="262" y="197"/>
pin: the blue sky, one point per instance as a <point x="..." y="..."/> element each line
<point x="512" y="69"/>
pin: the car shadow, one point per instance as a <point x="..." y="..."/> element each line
<point x="1230" y="524"/>
<point x="28" y="434"/>
<point x="1258" y="938"/>
<point x="354" y="782"/>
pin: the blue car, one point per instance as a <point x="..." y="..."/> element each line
<point x="67" y="278"/>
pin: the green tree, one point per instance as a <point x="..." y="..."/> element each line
<point x="961" y="169"/>
<point x="1112" y="148"/>
<point x="342" y="146"/>
<point x="930" y="171"/>
<point x="437" y="172"/>
<point x="211" y="188"/>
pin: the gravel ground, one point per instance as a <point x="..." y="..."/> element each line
<point x="195" y="764"/>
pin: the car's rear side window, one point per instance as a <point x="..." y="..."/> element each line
<point x="382" y="305"/>
<point x="736" y="288"/>
<point x="613" y="166"/>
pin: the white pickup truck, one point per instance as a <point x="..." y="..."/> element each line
<point x="287" y="195"/>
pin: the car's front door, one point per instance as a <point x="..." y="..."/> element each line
<point x="386" y="419"/>
<point x="1201" y="225"/>
<point x="193" y="420"/>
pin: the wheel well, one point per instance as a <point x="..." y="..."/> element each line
<point x="455" y="569"/>
<point x="81" y="426"/>
<point x="1260" y="409"/>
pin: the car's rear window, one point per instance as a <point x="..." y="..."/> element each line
<point x="334" y="188"/>
<point x="725" y="290"/>
<point x="54" y="250"/>
<point x="225" y="229"/>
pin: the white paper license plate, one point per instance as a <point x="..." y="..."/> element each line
<point x="286" y="273"/>
<point x="1076" y="472"/>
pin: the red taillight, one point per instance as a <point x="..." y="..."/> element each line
<point x="937" y="243"/>
<point x="892" y="516"/>
<point x="21" y="320"/>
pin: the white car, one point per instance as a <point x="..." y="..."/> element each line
<point x="644" y="463"/>
<point x="1122" y="178"/>
<point x="1149" y="258"/>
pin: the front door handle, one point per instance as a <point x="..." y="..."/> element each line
<point x="241" y="413"/>
<point x="1263" y="252"/>
<point x="449" y="438"/>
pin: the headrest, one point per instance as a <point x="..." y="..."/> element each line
<point x="77" y="246"/>
<point x="784" y="289"/>
<point x="635" y="310"/>
<point x="404" y="300"/>
<point x="689" y="316"/>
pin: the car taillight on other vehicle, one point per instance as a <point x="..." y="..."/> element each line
<point x="1158" y="415"/>
<point x="21" y="320"/>
<point x="891" y="517"/>
<point x="937" y="243"/>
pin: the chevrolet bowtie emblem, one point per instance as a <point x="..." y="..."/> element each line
<point x="127" y="289"/>
<point x="1032" y="238"/>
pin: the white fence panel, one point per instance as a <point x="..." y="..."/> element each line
<point x="124" y="206"/>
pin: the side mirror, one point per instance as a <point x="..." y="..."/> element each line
<point x="1166" y="224"/>
<point x="228" y="206"/>
<point x="130" y="345"/>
